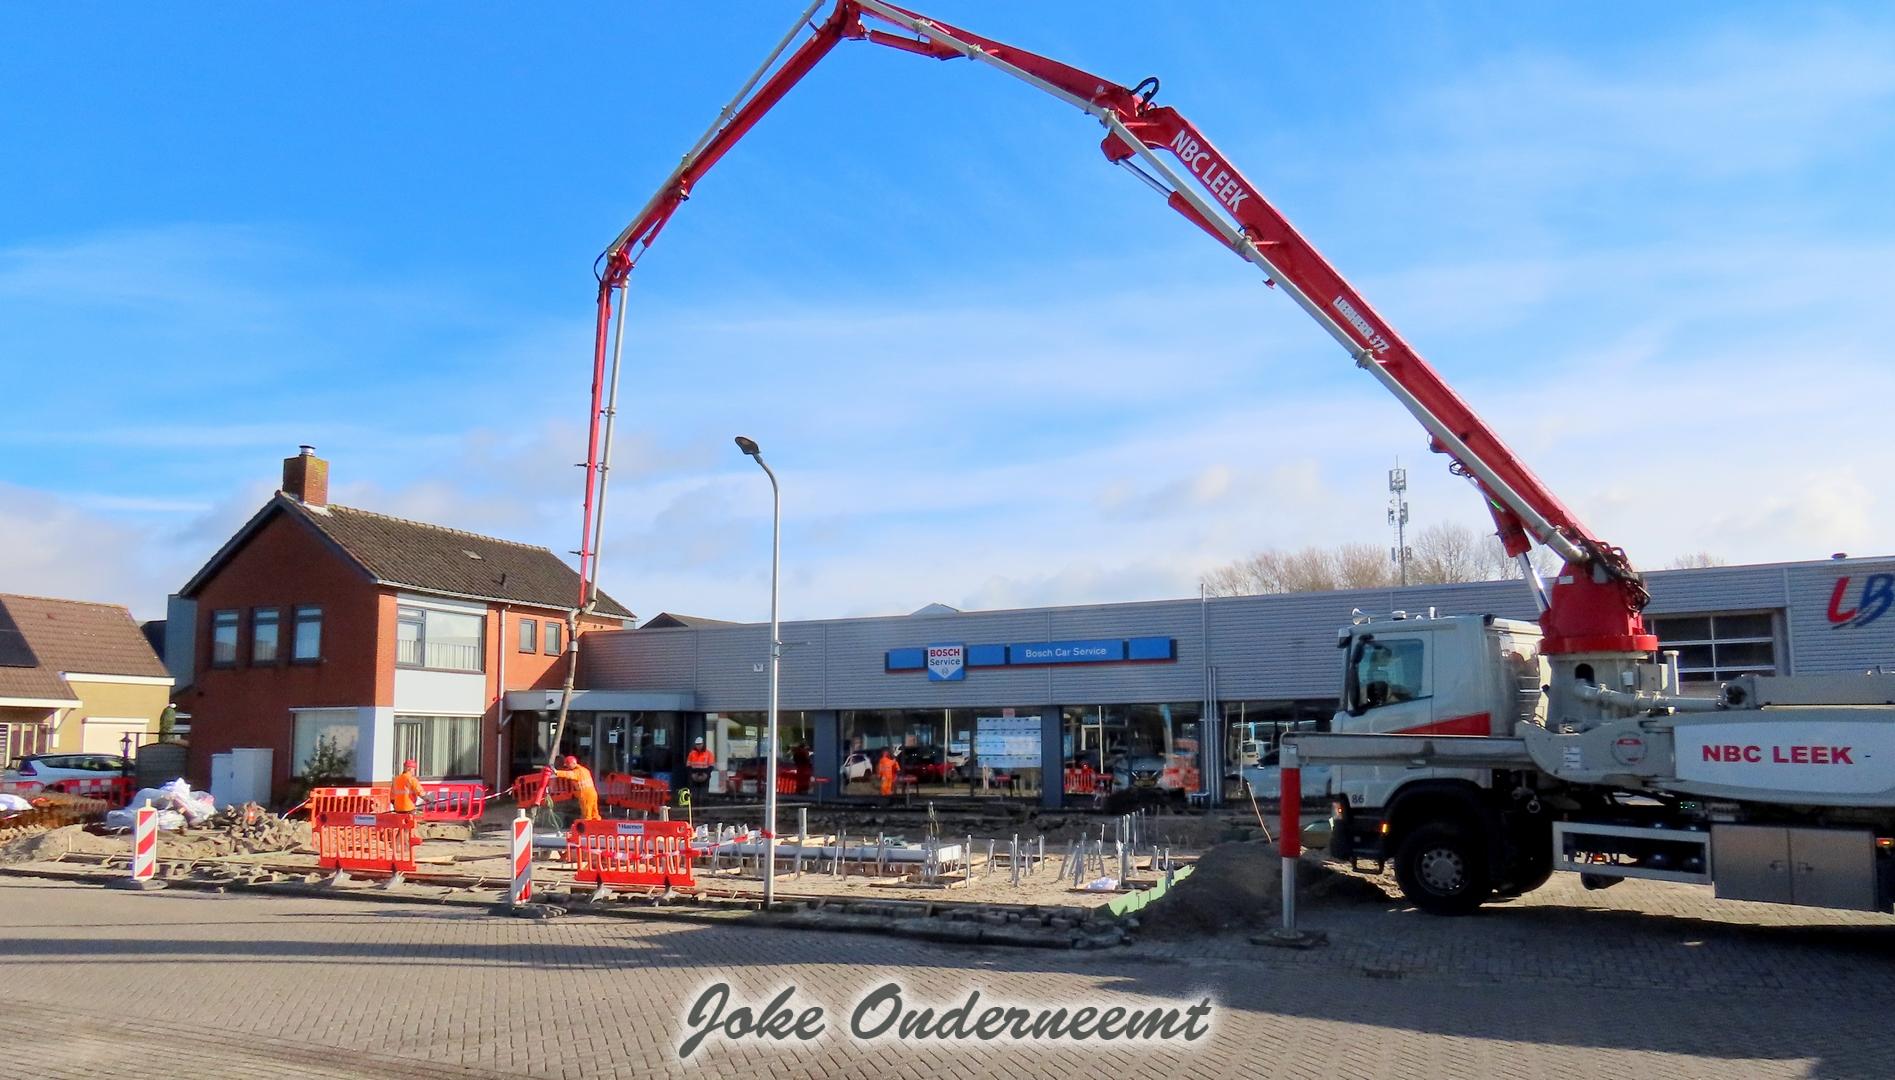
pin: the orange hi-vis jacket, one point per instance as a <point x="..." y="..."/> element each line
<point x="887" y="770"/>
<point x="406" y="793"/>
<point x="583" y="788"/>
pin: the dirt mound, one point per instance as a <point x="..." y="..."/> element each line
<point x="40" y="847"/>
<point x="1238" y="887"/>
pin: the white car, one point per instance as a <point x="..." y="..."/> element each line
<point x="856" y="766"/>
<point x="48" y="768"/>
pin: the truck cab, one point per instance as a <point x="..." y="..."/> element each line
<point x="1455" y="835"/>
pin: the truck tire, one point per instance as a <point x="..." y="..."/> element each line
<point x="1442" y="869"/>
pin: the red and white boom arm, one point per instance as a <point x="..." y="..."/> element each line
<point x="1595" y="604"/>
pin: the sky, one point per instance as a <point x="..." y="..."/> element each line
<point x="1652" y="245"/>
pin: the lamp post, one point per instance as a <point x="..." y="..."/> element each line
<point x="749" y="446"/>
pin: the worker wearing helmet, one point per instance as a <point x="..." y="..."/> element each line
<point x="406" y="794"/>
<point x="699" y="757"/>
<point x="582" y="786"/>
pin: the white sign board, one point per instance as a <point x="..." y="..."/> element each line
<point x="947" y="663"/>
<point x="1007" y="742"/>
<point x="1832" y="757"/>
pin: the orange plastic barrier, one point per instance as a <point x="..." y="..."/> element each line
<point x="348" y="800"/>
<point x="444" y="801"/>
<point x="533" y="789"/>
<point x="645" y="794"/>
<point x="632" y="854"/>
<point x="116" y="789"/>
<point x="383" y="843"/>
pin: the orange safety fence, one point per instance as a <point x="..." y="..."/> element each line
<point x="531" y="789"/>
<point x="632" y="854"/>
<point x="348" y="800"/>
<point x="624" y="791"/>
<point x="1087" y="782"/>
<point x="118" y="790"/>
<point x="22" y="788"/>
<point x="383" y="843"/>
<point x="457" y="801"/>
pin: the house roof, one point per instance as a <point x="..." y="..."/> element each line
<point x="666" y="620"/>
<point x="70" y="636"/>
<point x="426" y="558"/>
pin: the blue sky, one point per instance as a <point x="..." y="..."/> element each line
<point x="1652" y="245"/>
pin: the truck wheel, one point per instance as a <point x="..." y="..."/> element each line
<point x="1442" y="869"/>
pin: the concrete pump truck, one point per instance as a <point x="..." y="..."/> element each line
<point x="1477" y="754"/>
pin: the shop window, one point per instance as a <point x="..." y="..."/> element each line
<point x="223" y="638"/>
<point x="1155" y="746"/>
<point x="1714" y="648"/>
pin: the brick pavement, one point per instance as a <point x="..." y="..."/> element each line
<point x="201" y="986"/>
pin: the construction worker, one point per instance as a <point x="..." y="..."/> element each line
<point x="698" y="765"/>
<point x="886" y="769"/>
<point x="582" y="787"/>
<point x="406" y="795"/>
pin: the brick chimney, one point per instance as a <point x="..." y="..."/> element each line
<point x="306" y="478"/>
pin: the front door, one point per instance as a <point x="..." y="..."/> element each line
<point x="617" y="742"/>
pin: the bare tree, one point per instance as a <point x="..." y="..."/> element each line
<point x="1697" y="560"/>
<point x="1447" y="553"/>
<point x="1444" y="553"/>
<point x="1363" y="566"/>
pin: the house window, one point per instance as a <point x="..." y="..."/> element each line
<point x="223" y="638"/>
<point x="337" y="726"/>
<point x="308" y="642"/>
<point x="263" y="634"/>
<point x="1714" y="648"/>
<point x="440" y="640"/>
<point x="554" y="632"/>
<point x="529" y="635"/>
<point x="443" y="746"/>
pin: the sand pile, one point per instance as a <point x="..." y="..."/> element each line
<point x="1237" y="887"/>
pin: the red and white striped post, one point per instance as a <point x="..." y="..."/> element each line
<point x="1290" y="844"/>
<point x="521" y="849"/>
<point x="144" y="852"/>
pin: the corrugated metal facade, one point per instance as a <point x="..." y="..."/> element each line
<point x="1261" y="647"/>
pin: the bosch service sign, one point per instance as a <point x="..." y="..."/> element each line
<point x="947" y="663"/>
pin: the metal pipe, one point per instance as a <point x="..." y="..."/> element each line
<point x="1645" y="700"/>
<point x="723" y="117"/>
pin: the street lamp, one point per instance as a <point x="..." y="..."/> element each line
<point x="749" y="446"/>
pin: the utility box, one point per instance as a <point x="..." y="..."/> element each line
<point x="241" y="776"/>
<point x="1832" y="868"/>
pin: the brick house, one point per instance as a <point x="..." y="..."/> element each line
<point x="75" y="678"/>
<point x="393" y="638"/>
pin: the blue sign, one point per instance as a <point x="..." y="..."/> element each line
<point x="1104" y="651"/>
<point x="949" y="663"/>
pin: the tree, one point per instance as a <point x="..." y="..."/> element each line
<point x="1444" y="553"/>
<point x="1697" y="560"/>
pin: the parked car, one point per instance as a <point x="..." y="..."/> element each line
<point x="1140" y="771"/>
<point x="927" y="764"/>
<point x="857" y="766"/>
<point x="47" y="768"/>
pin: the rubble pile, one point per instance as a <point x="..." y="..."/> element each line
<point x="252" y="830"/>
